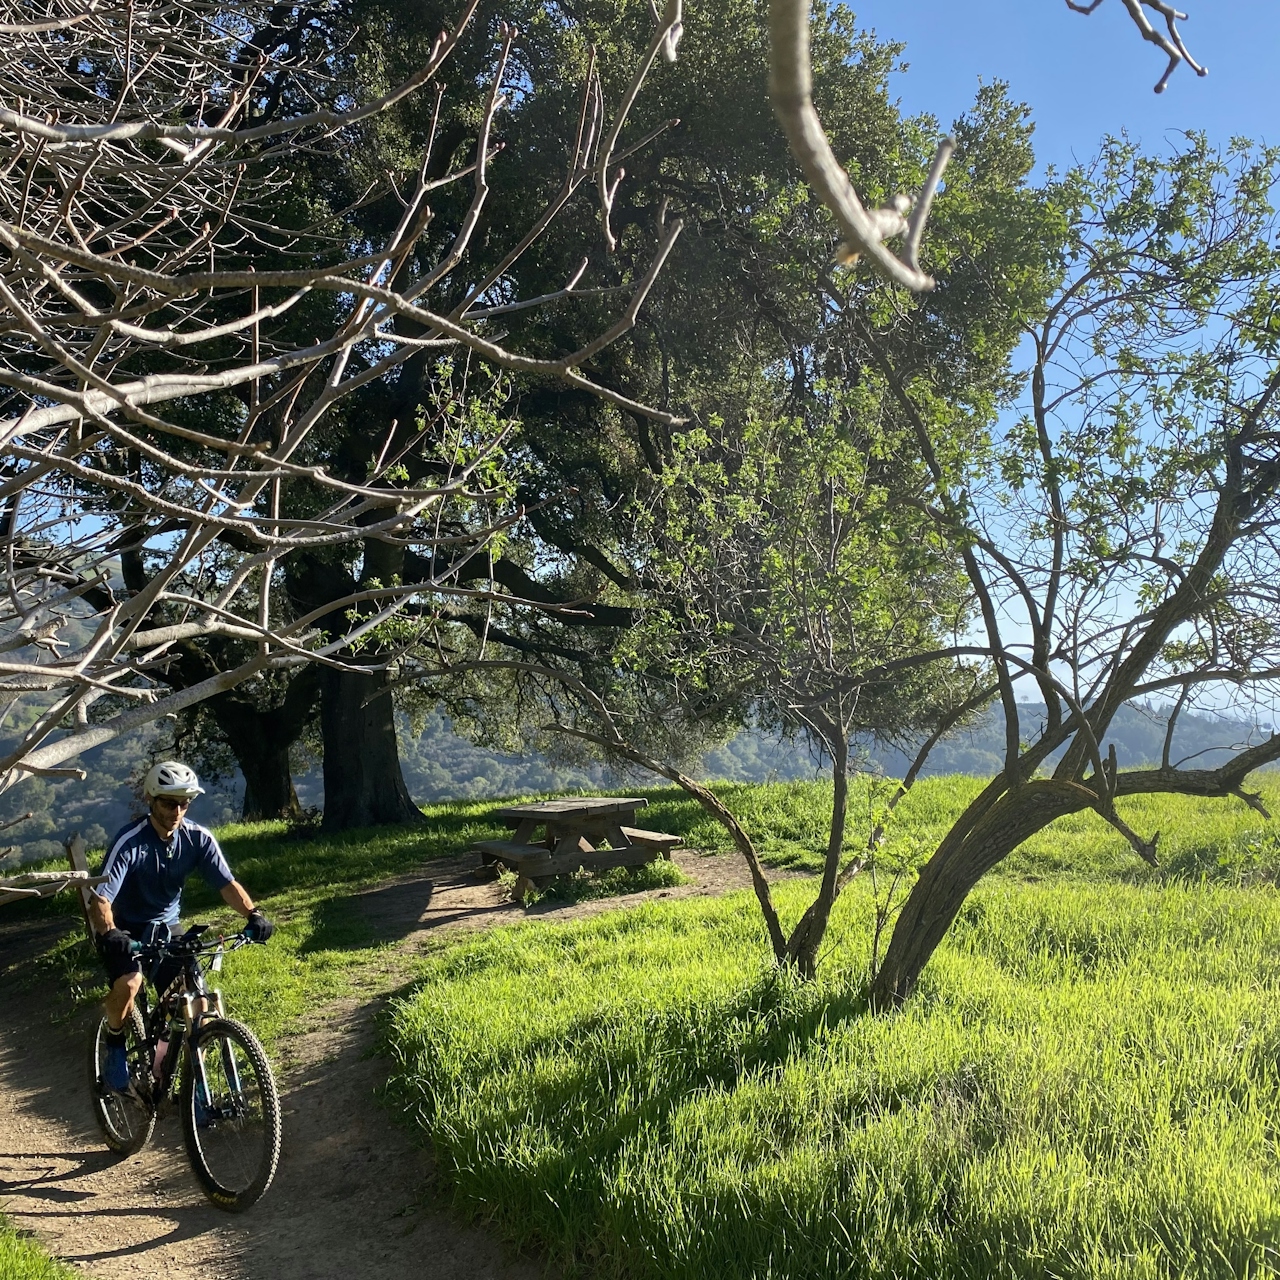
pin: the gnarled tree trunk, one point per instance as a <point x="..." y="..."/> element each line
<point x="363" y="782"/>
<point x="263" y="758"/>
<point x="261" y="738"/>
<point x="991" y="829"/>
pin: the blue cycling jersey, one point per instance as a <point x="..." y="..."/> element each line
<point x="145" y="873"/>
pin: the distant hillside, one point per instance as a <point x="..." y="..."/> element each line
<point x="1138" y="734"/>
<point x="442" y="765"/>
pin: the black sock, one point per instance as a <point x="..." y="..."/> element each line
<point x="116" y="1039"/>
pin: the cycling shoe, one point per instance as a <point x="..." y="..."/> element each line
<point x="115" y="1070"/>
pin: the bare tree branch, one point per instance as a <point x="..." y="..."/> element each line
<point x="864" y="231"/>
<point x="163" y="376"/>
<point x="1170" y="43"/>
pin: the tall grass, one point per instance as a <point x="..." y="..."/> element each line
<point x="1086" y="1085"/>
<point x="789" y="821"/>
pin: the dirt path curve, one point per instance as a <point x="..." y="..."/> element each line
<point x="351" y="1198"/>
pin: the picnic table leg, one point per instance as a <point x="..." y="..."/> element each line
<point x="523" y="833"/>
<point x="525" y="885"/>
<point x="619" y="839"/>
<point x="572" y="842"/>
<point x="614" y="834"/>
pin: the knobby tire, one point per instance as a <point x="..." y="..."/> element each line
<point x="233" y="1135"/>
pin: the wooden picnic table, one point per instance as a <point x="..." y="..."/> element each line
<point x="554" y="837"/>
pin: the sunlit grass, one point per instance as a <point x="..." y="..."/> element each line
<point x="789" y="822"/>
<point x="305" y="883"/>
<point x="21" y="1258"/>
<point x="1086" y="1086"/>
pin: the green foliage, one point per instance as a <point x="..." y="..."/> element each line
<point x="1148" y="362"/>
<point x="746" y="326"/>
<point x="22" y="1259"/>
<point x="1087" y="1087"/>
<point x="787" y="567"/>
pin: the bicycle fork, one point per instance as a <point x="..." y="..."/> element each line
<point x="230" y="1104"/>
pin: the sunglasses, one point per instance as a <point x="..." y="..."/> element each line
<point x="171" y="802"/>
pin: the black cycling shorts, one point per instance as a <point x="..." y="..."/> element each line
<point x="118" y="962"/>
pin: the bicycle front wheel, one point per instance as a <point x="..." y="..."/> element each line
<point x="126" y="1119"/>
<point x="230" y="1114"/>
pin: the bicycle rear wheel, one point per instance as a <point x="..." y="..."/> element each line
<point x="230" y="1114"/>
<point x="126" y="1119"/>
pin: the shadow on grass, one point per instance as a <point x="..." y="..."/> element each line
<point x="337" y="925"/>
<point x="352" y="922"/>
<point x="269" y="863"/>
<point x="590" y="886"/>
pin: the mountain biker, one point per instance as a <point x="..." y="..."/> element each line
<point x="146" y="866"/>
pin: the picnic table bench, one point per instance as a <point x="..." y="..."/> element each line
<point x="555" y="837"/>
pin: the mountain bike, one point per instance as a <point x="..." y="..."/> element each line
<point x="183" y="1049"/>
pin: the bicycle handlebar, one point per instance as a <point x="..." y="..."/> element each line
<point x="189" y="944"/>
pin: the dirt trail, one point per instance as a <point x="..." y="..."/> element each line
<point x="352" y="1196"/>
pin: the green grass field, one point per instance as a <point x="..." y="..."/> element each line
<point x="1085" y="1085"/>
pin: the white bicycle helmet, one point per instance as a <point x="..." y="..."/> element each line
<point x="169" y="778"/>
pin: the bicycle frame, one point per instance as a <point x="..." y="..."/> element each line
<point x="181" y="1007"/>
<point x="182" y="1047"/>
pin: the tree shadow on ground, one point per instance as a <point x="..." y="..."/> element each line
<point x="564" y="1123"/>
<point x="679" y="1054"/>
<point x="457" y="892"/>
<point x="352" y="922"/>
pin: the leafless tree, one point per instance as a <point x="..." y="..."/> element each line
<point x="154" y="259"/>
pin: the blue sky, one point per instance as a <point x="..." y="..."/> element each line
<point x="1085" y="76"/>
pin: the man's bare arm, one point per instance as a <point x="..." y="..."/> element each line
<point x="234" y="896"/>
<point x="101" y="917"/>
